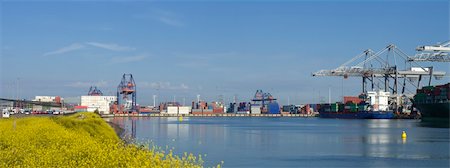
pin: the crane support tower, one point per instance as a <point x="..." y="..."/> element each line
<point x="126" y="95"/>
<point x="94" y="91"/>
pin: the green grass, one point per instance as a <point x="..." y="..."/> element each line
<point x="79" y="140"/>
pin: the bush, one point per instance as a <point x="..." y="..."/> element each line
<point x="79" y="140"/>
<point x="97" y="112"/>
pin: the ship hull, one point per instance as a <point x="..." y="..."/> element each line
<point x="382" y="115"/>
<point x="434" y="110"/>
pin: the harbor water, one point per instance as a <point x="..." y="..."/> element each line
<point x="295" y="142"/>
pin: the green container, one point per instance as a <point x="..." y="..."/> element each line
<point x="341" y="107"/>
<point x="421" y="94"/>
<point x="428" y="87"/>
<point x="362" y="107"/>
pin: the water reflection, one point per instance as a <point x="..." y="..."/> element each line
<point x="435" y="122"/>
<point x="290" y="142"/>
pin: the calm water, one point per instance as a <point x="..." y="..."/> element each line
<point x="297" y="142"/>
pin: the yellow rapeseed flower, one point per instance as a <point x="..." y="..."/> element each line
<point x="79" y="140"/>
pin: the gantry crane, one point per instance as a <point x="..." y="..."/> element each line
<point x="370" y="65"/>
<point x="94" y="91"/>
<point x="386" y="66"/>
<point x="262" y="97"/>
<point x="433" y="53"/>
<point x="126" y="88"/>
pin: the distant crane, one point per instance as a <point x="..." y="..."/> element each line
<point x="266" y="102"/>
<point x="126" y="88"/>
<point x="433" y="53"/>
<point x="94" y="91"/>
<point x="262" y="97"/>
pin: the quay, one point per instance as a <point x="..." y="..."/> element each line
<point x="208" y="115"/>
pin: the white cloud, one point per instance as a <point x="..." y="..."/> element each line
<point x="80" y="84"/>
<point x="112" y="47"/>
<point x="170" y="21"/>
<point x="127" y="59"/>
<point x="72" y="47"/>
<point x="78" y="46"/>
<point x="164" y="86"/>
<point x="163" y="16"/>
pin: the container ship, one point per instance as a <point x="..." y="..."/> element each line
<point x="376" y="107"/>
<point x="433" y="102"/>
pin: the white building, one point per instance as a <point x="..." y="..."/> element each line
<point x="100" y="103"/>
<point x="47" y="99"/>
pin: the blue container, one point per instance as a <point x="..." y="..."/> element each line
<point x="273" y="108"/>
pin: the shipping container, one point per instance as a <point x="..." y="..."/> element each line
<point x="352" y="99"/>
<point x="172" y="110"/>
<point x="273" y="108"/>
<point x="256" y="110"/>
<point x="184" y="110"/>
<point x="218" y="110"/>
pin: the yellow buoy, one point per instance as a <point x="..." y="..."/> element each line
<point x="180" y="118"/>
<point x="404" y="135"/>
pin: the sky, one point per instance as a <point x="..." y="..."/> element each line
<point x="217" y="49"/>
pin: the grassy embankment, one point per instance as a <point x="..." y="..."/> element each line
<point x="79" y="140"/>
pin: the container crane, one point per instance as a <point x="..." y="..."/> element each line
<point x="262" y="97"/>
<point x="370" y="65"/>
<point x="94" y="91"/>
<point x="266" y="101"/>
<point x="386" y="66"/>
<point x="432" y="53"/>
<point x="126" y="95"/>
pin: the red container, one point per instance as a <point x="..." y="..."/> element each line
<point x="437" y="91"/>
<point x="448" y="95"/>
<point x="218" y="110"/>
<point x="197" y="112"/>
<point x="80" y="107"/>
<point x="352" y="99"/>
<point x="58" y="99"/>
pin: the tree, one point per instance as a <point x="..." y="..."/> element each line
<point x="97" y="112"/>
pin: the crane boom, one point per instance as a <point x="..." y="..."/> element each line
<point x="432" y="53"/>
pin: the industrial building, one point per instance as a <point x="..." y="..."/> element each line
<point x="55" y="99"/>
<point x="100" y="103"/>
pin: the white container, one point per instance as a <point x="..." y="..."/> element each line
<point x="184" y="110"/>
<point x="256" y="110"/>
<point x="172" y="110"/>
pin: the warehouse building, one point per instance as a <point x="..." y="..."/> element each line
<point x="100" y="103"/>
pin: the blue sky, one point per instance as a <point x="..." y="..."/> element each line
<point x="207" y="48"/>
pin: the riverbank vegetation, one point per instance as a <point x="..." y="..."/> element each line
<point x="79" y="140"/>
